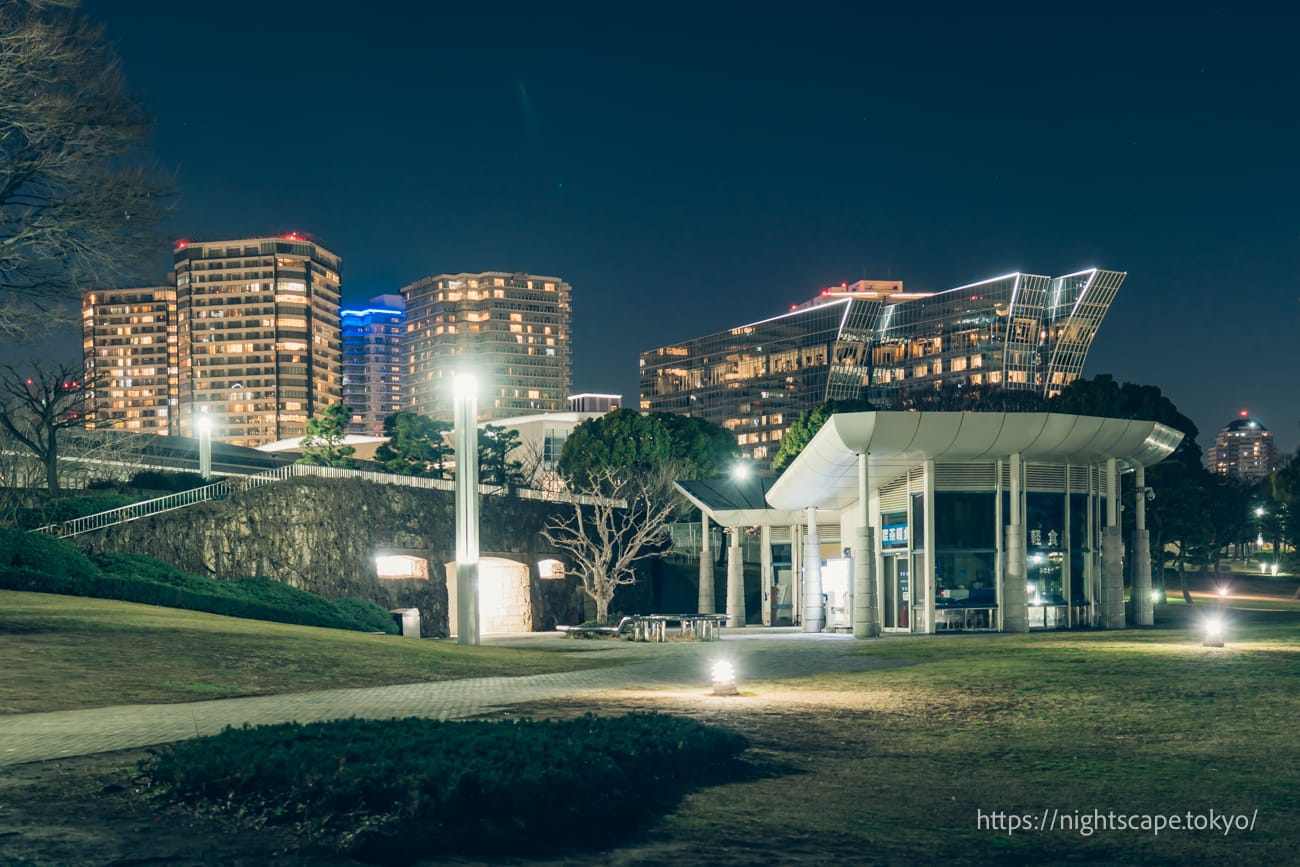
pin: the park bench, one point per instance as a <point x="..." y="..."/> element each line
<point x="597" y="631"/>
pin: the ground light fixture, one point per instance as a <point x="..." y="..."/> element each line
<point x="723" y="675"/>
<point x="1223" y="591"/>
<point x="1155" y="595"/>
<point x="1213" y="626"/>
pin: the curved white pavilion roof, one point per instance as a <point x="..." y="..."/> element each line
<point x="825" y="475"/>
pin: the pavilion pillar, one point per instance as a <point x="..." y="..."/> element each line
<point x="814" y="607"/>
<point x="1112" y="555"/>
<point x="735" y="580"/>
<point x="1143" y="609"/>
<point x="706" y="603"/>
<point x="765" y="572"/>
<point x="1015" y="617"/>
<point x="866" y="617"/>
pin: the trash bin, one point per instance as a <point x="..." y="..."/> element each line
<point x="408" y="621"/>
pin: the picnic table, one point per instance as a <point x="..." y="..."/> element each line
<point x="655" y="627"/>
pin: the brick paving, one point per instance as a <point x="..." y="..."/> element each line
<point x="757" y="653"/>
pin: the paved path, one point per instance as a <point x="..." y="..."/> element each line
<point x="764" y="654"/>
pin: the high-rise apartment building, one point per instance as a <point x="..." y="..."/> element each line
<point x="374" y="371"/>
<point x="130" y="350"/>
<point x="870" y="340"/>
<point x="1243" y="451"/>
<point x="510" y="330"/>
<point x="258" y="322"/>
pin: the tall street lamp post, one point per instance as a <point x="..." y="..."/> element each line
<point x="465" y="387"/>
<point x="204" y="426"/>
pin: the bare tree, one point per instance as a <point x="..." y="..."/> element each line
<point x="35" y="407"/>
<point x="77" y="208"/>
<point x="624" y="521"/>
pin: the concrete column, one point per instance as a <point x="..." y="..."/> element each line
<point x="866" y="615"/>
<point x="1112" y="555"/>
<point x="735" y="579"/>
<point x="814" y="611"/>
<point x="767" y="579"/>
<point x="1143" y="609"/>
<point x="1014" y="616"/>
<point x="706" y="603"/>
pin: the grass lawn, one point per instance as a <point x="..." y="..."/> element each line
<point x="64" y="652"/>
<point x="895" y="765"/>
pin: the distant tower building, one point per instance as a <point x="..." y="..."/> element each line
<point x="373" y="364"/>
<point x="259" y="335"/>
<point x="1243" y="451"/>
<point x="510" y="330"/>
<point x="129" y="344"/>
<point x="601" y="403"/>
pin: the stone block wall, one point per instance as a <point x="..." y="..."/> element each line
<point x="322" y="535"/>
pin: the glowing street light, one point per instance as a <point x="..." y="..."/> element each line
<point x="465" y="390"/>
<point x="204" y="426"/>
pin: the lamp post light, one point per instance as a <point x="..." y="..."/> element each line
<point x="204" y="426"/>
<point x="465" y="389"/>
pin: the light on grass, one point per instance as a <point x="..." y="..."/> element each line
<point x="723" y="675"/>
<point x="1155" y="595"/>
<point x="1223" y="590"/>
<point x="1213" y="631"/>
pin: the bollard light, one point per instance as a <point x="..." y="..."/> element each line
<point x="1213" y="626"/>
<point x="1223" y="591"/>
<point x="724" y="678"/>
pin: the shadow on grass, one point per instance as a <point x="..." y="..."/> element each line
<point x="630" y="811"/>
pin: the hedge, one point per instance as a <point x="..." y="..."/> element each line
<point x="399" y="790"/>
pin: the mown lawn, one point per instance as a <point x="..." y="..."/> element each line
<point x="63" y="653"/>
<point x="896" y="765"/>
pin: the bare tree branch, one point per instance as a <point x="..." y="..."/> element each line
<point x="78" y="208"/>
<point x="604" y="541"/>
<point x="36" y="406"/>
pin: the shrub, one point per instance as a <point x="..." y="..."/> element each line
<point x="160" y="480"/>
<point x="40" y="563"/>
<point x="404" y="789"/>
<point x="67" y="508"/>
<point x="38" y="553"/>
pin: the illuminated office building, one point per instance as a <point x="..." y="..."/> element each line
<point x="510" y="330"/>
<point x="871" y="341"/>
<point x="129" y="345"/>
<point x="259" y="335"/>
<point x="1243" y="451"/>
<point x="373" y="369"/>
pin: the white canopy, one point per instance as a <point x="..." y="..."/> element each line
<point x="825" y="474"/>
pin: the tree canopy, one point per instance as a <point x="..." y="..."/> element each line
<point x="805" y="427"/>
<point x="624" y="440"/>
<point x="1102" y="396"/>
<point x="416" y="446"/>
<point x="323" y="444"/>
<point x="77" y="206"/>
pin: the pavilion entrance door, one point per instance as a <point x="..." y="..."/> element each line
<point x="897" y="593"/>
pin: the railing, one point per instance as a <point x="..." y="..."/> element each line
<point x="225" y="487"/>
<point x="169" y="503"/>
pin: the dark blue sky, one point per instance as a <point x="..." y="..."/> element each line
<point x="692" y="167"/>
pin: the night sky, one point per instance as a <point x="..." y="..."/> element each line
<point x="688" y="168"/>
